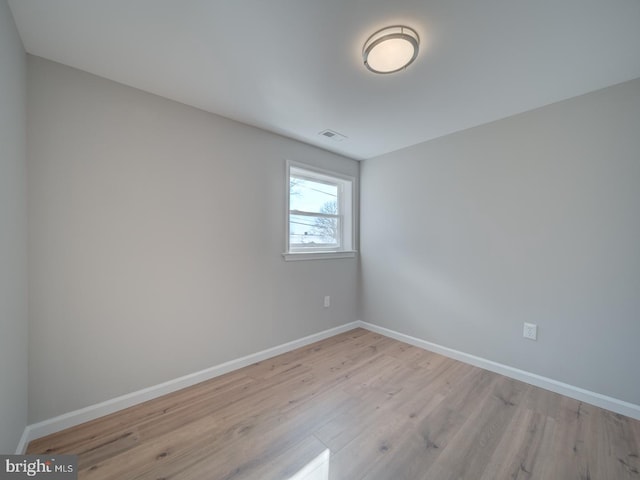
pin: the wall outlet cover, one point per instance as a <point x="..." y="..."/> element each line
<point x="530" y="331"/>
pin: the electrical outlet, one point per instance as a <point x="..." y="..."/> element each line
<point x="530" y="331"/>
<point x="327" y="301"/>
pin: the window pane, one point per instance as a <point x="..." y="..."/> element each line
<point x="310" y="231"/>
<point x="320" y="211"/>
<point x="314" y="197"/>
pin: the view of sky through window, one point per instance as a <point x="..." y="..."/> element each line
<point x="313" y="197"/>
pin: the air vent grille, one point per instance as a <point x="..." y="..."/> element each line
<point x="333" y="135"/>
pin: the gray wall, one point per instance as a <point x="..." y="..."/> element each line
<point x="156" y="234"/>
<point x="13" y="235"/>
<point x="529" y="219"/>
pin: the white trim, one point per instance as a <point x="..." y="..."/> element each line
<point x="24" y="441"/>
<point x="290" y="257"/>
<point x="609" y="403"/>
<point x="71" y="419"/>
<point x="329" y="175"/>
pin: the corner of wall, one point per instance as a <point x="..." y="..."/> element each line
<point x="13" y="235"/>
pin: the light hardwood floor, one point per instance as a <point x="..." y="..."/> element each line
<point x="386" y="411"/>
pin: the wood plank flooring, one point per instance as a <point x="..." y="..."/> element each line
<point x="385" y="410"/>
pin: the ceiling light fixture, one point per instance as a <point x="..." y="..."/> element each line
<point x="391" y="49"/>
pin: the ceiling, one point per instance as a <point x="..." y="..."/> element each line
<point x="294" y="67"/>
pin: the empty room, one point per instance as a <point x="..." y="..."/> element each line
<point x="287" y="240"/>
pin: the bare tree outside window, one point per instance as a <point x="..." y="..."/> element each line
<point x="324" y="226"/>
<point x="294" y="186"/>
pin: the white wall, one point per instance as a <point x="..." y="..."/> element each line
<point x="13" y="235"/>
<point x="534" y="218"/>
<point x="156" y="233"/>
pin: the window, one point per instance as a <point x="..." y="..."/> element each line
<point x="319" y="214"/>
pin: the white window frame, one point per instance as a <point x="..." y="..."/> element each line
<point x="346" y="213"/>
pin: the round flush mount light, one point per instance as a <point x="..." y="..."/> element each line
<point x="391" y="49"/>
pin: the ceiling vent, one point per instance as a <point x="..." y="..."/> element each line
<point x="335" y="136"/>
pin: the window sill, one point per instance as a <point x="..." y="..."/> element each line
<point x="290" y="257"/>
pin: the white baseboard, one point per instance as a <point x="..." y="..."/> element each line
<point x="56" y="424"/>
<point x="593" y="398"/>
<point x="70" y="419"/>
<point x="24" y="441"/>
